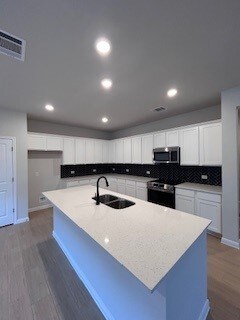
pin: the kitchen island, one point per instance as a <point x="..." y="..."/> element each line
<point x="144" y="262"/>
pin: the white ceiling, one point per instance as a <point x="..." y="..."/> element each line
<point x="191" y="45"/>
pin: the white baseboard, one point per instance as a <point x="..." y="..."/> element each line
<point x="21" y="220"/>
<point x="230" y="243"/>
<point x="106" y="313"/>
<point x="205" y="311"/>
<point x="45" y="206"/>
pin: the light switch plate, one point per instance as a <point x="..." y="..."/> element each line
<point x="94" y="170"/>
<point x="204" y="177"/>
<point x="73" y="172"/>
<point x="127" y="170"/>
<point x="113" y="169"/>
<point x="42" y="198"/>
<point x="148" y="172"/>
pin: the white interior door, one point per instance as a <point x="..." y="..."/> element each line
<point x="6" y="182"/>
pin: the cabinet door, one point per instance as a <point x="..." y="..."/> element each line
<point x="68" y="151"/>
<point x="54" y="143"/>
<point x="210" y="210"/>
<point x="160" y="140"/>
<point x="137" y="150"/>
<point x="119" y="151"/>
<point x="189" y="146"/>
<point x="121" y="188"/>
<point x="127" y="150"/>
<point x="112" y="151"/>
<point x="98" y="151"/>
<point x="141" y="193"/>
<point x="172" y="138"/>
<point x="37" y="142"/>
<point x="185" y="204"/>
<point x="211" y="144"/>
<point x="90" y="151"/>
<point x="80" y="146"/>
<point x="147" y="149"/>
<point x="131" y="191"/>
<point x="105" y="150"/>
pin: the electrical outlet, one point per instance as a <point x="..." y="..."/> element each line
<point x="113" y="169"/>
<point x="127" y="170"/>
<point x="204" y="177"/>
<point x="94" y="170"/>
<point x="148" y="172"/>
<point x="42" y="198"/>
<point x="36" y="174"/>
<point x="72" y="171"/>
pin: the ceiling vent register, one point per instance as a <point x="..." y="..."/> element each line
<point x="12" y="46"/>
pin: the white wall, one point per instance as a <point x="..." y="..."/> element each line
<point x="14" y="124"/>
<point x="188" y="118"/>
<point x="230" y="166"/>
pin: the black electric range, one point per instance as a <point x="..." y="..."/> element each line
<point x="162" y="192"/>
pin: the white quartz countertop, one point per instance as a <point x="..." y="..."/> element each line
<point x="200" y="187"/>
<point x="111" y="175"/>
<point x="147" y="239"/>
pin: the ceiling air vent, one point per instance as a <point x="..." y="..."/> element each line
<point x="158" y="109"/>
<point x="12" y="46"/>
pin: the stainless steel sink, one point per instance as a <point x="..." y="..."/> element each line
<point x="120" y="204"/>
<point x="114" y="202"/>
<point x="105" y="198"/>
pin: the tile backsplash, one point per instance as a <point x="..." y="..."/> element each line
<point x="165" y="172"/>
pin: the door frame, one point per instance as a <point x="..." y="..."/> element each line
<point x="14" y="166"/>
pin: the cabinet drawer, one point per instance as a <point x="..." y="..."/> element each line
<point x="130" y="183"/>
<point x="209" y="196"/>
<point x="185" y="192"/>
<point x="141" y="184"/>
<point x="121" y="181"/>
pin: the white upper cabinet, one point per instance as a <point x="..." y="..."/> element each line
<point x="68" y="151"/>
<point x="159" y="140"/>
<point x="147" y="149"/>
<point x="189" y="146"/>
<point x="37" y="142"/>
<point x="89" y="151"/>
<point x="127" y="150"/>
<point x="211" y="144"/>
<point x="54" y="143"/>
<point x="112" y="151"/>
<point x="119" y="151"/>
<point x="98" y="151"/>
<point x="136" y="150"/>
<point x="105" y="151"/>
<point x="80" y="151"/>
<point x="172" y="139"/>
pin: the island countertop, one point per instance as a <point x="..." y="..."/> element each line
<point x="147" y="239"/>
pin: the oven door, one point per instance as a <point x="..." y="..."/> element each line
<point x="163" y="198"/>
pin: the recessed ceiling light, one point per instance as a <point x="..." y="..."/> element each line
<point x="103" y="46"/>
<point x="104" y="119"/>
<point x="49" y="107"/>
<point x="106" y="83"/>
<point x="172" y="92"/>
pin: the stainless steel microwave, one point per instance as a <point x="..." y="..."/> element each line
<point x="166" y="155"/>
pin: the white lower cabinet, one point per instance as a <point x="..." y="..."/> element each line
<point x="203" y="204"/>
<point x="121" y="186"/>
<point x="141" y="191"/>
<point x="210" y="210"/>
<point x="185" y="204"/>
<point x="112" y="184"/>
<point x="131" y="188"/>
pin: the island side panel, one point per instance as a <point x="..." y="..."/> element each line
<point x="186" y="284"/>
<point x="118" y="293"/>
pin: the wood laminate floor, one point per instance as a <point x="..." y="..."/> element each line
<point x="38" y="283"/>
